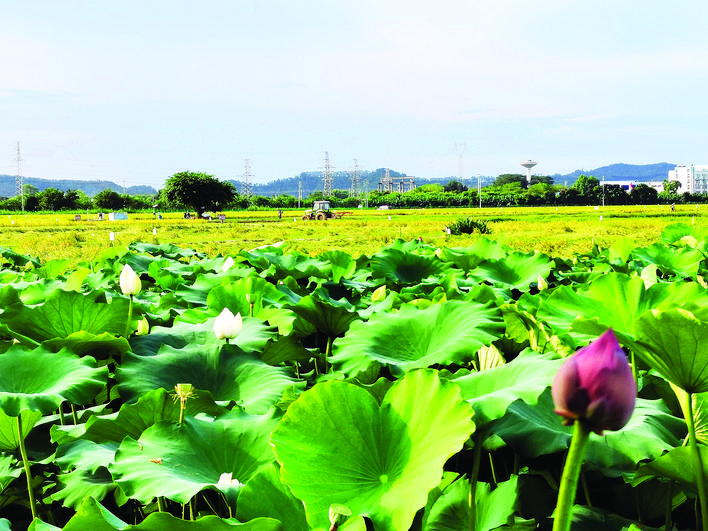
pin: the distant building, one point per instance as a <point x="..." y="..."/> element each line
<point x="693" y="178"/>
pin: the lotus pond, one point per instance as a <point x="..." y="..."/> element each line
<point x="381" y="391"/>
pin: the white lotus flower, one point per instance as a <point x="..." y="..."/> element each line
<point x="143" y="327"/>
<point x="227" y="325"/>
<point x="129" y="281"/>
<point x="227" y="264"/>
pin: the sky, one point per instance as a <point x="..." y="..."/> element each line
<point x="136" y="91"/>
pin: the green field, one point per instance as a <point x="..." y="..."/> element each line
<point x="556" y="231"/>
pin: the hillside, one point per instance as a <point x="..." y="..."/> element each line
<point x="312" y="181"/>
<point x="91" y="188"/>
<point x="621" y="172"/>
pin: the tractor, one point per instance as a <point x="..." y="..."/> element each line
<point x="320" y="211"/>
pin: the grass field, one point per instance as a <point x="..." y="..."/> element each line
<point x="562" y="231"/>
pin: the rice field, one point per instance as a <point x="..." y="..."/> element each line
<point x="556" y="231"/>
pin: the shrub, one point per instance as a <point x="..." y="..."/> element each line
<point x="469" y="225"/>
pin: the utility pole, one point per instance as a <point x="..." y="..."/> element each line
<point x="355" y="190"/>
<point x="246" y="186"/>
<point x="19" y="185"/>
<point x="328" y="171"/>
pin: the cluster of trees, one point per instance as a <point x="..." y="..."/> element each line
<point x="199" y="192"/>
<point x="54" y="200"/>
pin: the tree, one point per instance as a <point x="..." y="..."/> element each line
<point x="108" y="199"/>
<point x="643" y="194"/>
<point x="507" y="178"/>
<point x="198" y="191"/>
<point x="51" y="199"/>
<point x="455" y="186"/>
<point x="671" y="187"/>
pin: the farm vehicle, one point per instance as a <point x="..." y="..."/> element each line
<point x="321" y="211"/>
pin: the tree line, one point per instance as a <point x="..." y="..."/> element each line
<point x="199" y="192"/>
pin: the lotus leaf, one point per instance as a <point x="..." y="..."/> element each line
<point x="445" y="333"/>
<point x="682" y="261"/>
<point x="40" y="380"/>
<point x="9" y="439"/>
<point x="337" y="445"/>
<point x="673" y="343"/>
<point x="225" y="371"/>
<point x="516" y="270"/>
<point x="403" y="267"/>
<point x="177" y="461"/>
<point x="67" y="312"/>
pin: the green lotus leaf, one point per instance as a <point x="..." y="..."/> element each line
<point x="168" y="250"/>
<point x="621" y="250"/>
<point x="403" y="267"/>
<point x="253" y="337"/>
<point x="67" y="312"/>
<point x="266" y="496"/>
<point x="468" y="258"/>
<point x="177" y="461"/>
<point x="225" y="371"/>
<point x="535" y="430"/>
<point x="683" y="261"/>
<point x="337" y="445"/>
<point x="40" y="380"/>
<point x="99" y="346"/>
<point x="152" y="407"/>
<point x="75" y="486"/>
<point x="328" y="316"/>
<point x="494" y="508"/>
<point x="196" y="294"/>
<point x="273" y="263"/>
<point x="614" y="300"/>
<point x="342" y="265"/>
<point x="516" y="270"/>
<point x="673" y="343"/>
<point x="262" y="295"/>
<point x="699" y="405"/>
<point x="676" y="465"/>
<point x="490" y="392"/>
<point x="10" y="470"/>
<point x="450" y="332"/>
<point x="9" y="439"/>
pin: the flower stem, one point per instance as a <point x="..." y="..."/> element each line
<point x="25" y="461"/>
<point x="130" y="317"/>
<point x="697" y="464"/>
<point x="569" y="480"/>
<point x="476" y="462"/>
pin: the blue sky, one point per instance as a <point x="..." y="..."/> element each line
<point x="135" y="91"/>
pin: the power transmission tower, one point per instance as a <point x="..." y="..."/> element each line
<point x="328" y="172"/>
<point x="299" y="193"/>
<point x="19" y="185"/>
<point x="246" y="185"/>
<point x="355" y="190"/>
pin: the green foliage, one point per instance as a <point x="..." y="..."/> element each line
<point x="469" y="226"/>
<point x="108" y="200"/>
<point x="198" y="191"/>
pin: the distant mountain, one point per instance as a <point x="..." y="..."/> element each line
<point x="91" y="188"/>
<point x="621" y="172"/>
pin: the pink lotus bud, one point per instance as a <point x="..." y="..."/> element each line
<point x="596" y="385"/>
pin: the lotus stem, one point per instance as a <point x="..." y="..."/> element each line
<point x="161" y="504"/>
<point x="476" y="461"/>
<point x="697" y="464"/>
<point x="328" y="353"/>
<point x="130" y="316"/>
<point x="491" y="466"/>
<point x="25" y="461"/>
<point x="586" y="491"/>
<point x="669" y="507"/>
<point x="569" y="480"/>
<point x="74" y="416"/>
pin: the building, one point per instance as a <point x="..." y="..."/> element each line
<point x="693" y="178"/>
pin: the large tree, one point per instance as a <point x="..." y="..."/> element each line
<point x="198" y="191"/>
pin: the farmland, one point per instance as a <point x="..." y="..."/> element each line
<point x="367" y="373"/>
<point x="561" y="231"/>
